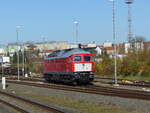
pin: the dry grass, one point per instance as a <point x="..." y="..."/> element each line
<point x="80" y="105"/>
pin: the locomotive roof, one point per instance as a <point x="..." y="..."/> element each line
<point x="66" y="53"/>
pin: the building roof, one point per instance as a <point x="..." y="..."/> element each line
<point x="99" y="46"/>
<point x="47" y="51"/>
<point x="2" y="46"/>
<point x="146" y="43"/>
<point x="109" y="48"/>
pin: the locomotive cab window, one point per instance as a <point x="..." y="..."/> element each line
<point x="77" y="58"/>
<point x="87" y="58"/>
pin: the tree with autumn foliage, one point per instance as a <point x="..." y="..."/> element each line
<point x="134" y="63"/>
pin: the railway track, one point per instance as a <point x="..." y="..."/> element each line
<point x="13" y="106"/>
<point x="125" y="82"/>
<point x="100" y="90"/>
<point x="12" y="97"/>
<point x="99" y="79"/>
<point x="102" y="80"/>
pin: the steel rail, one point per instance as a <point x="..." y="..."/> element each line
<point x="13" y="106"/>
<point x="47" y="108"/>
<point x="97" y="79"/>
<point x="101" y="90"/>
<point x="135" y="83"/>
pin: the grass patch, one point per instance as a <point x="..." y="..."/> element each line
<point x="129" y="77"/>
<point x="136" y="78"/>
<point x="80" y="105"/>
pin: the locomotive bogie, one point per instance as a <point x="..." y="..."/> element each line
<point x="79" y="78"/>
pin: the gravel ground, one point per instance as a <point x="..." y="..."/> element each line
<point x="132" y="104"/>
<point x="120" y="86"/>
<point x="6" y="109"/>
<point x="27" y="107"/>
<point x="12" y="88"/>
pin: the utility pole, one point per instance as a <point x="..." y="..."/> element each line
<point x="114" y="41"/>
<point x="17" y="30"/>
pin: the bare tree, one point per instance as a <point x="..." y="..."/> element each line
<point x="140" y="39"/>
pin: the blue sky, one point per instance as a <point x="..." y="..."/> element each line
<point x="53" y="19"/>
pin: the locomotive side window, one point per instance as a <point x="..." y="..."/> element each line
<point x="77" y="58"/>
<point x="87" y="58"/>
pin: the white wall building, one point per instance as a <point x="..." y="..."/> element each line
<point x="136" y="46"/>
<point x="126" y="47"/>
<point x="139" y="45"/>
<point x="5" y="59"/>
<point x="51" y="45"/>
<point x="98" y="51"/>
<point x="72" y="46"/>
<point x="91" y="45"/>
<point x="2" y="51"/>
<point x="107" y="44"/>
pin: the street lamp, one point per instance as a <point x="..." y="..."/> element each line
<point x="2" y="65"/>
<point x="17" y="36"/>
<point x="114" y="41"/>
<point x="76" y="29"/>
<point x="44" y="46"/>
<point x="23" y="59"/>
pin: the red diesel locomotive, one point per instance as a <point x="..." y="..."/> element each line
<point x="69" y="66"/>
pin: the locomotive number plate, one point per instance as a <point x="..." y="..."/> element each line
<point x="83" y="67"/>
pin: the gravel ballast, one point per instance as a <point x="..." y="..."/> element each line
<point x="131" y="104"/>
<point x="6" y="109"/>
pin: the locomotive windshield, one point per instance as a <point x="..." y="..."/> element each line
<point x="87" y="58"/>
<point x="77" y="58"/>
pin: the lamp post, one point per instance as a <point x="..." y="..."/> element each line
<point x="76" y="30"/>
<point x="114" y="41"/>
<point x="2" y="65"/>
<point x="44" y="46"/>
<point x="17" y="36"/>
<point x="23" y="61"/>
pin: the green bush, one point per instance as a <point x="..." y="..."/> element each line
<point x="105" y="67"/>
<point x="135" y="64"/>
